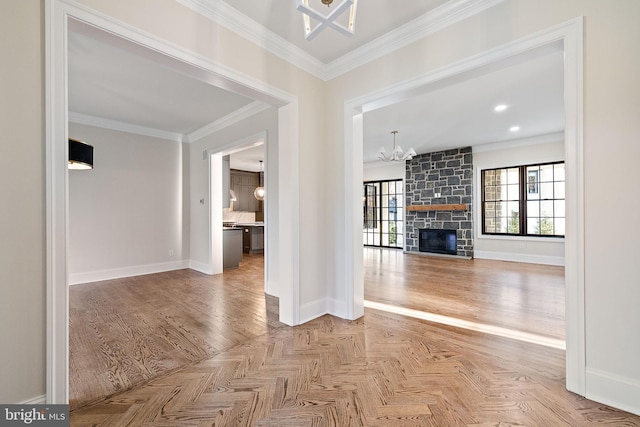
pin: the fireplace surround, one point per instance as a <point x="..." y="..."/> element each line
<point x="436" y="186"/>
<point x="438" y="241"/>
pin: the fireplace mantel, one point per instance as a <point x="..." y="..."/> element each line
<point x="455" y="207"/>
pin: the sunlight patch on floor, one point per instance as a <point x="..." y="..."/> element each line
<point x="465" y="324"/>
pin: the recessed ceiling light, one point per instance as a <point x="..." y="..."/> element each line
<point x="514" y="128"/>
<point x="500" y="108"/>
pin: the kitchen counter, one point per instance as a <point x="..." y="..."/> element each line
<point x="231" y="225"/>
<point x="252" y="237"/>
<point x="232" y="247"/>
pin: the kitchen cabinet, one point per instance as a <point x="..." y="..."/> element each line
<point x="253" y="239"/>
<point x="226" y="181"/>
<point x="244" y="183"/>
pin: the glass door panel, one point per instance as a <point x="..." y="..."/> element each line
<point x="383" y="213"/>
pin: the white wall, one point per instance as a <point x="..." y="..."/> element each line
<point x="536" y="250"/>
<point x="22" y="207"/>
<point x="125" y="214"/>
<point x="611" y="153"/>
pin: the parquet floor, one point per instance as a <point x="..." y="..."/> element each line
<point x="381" y="370"/>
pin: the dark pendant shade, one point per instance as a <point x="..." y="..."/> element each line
<point x="80" y="155"/>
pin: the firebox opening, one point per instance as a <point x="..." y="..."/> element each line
<point x="438" y="241"/>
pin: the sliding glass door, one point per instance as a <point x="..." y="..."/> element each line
<point x="383" y="212"/>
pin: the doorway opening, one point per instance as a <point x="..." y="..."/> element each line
<point x="60" y="14"/>
<point x="569" y="37"/>
<point x="249" y="157"/>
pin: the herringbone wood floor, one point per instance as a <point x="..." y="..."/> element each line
<point x="381" y="370"/>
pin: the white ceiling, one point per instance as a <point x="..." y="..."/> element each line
<point x="248" y="159"/>
<point x="462" y="114"/>
<point x="110" y="82"/>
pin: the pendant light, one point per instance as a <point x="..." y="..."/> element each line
<point x="259" y="192"/>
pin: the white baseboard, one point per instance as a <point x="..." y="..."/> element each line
<point x="117" y="273"/>
<point x="321" y="307"/>
<point x="613" y="390"/>
<point x="509" y="256"/>
<point x="202" y="267"/>
<point x="313" y="310"/>
<point x="337" y="308"/>
<point x="38" y="400"/>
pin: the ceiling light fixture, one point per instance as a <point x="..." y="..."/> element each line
<point x="397" y="155"/>
<point x="328" y="21"/>
<point x="500" y="108"/>
<point x="80" y="155"/>
<point x="514" y="128"/>
<point x="259" y="192"/>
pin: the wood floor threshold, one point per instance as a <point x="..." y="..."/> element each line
<point x="402" y="311"/>
<point x="472" y="326"/>
<point x="112" y="396"/>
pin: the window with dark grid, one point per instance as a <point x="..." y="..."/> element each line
<point x="524" y="200"/>
<point x="383" y="208"/>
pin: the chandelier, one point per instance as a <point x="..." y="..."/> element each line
<point x="328" y="21"/>
<point x="397" y="155"/>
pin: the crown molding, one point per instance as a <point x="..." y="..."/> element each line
<point x="86" y="119"/>
<point x="447" y="14"/>
<point x="223" y="14"/>
<point x="231" y="118"/>
<point x="420" y="27"/>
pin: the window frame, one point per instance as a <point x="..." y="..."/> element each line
<point x="523" y="189"/>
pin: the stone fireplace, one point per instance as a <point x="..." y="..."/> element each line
<point x="439" y="196"/>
